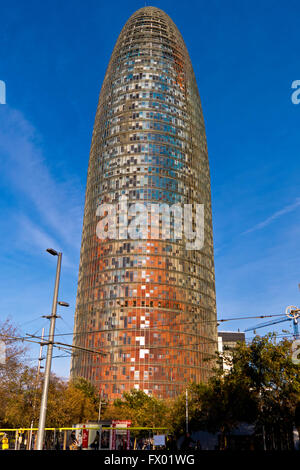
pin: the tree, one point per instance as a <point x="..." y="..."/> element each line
<point x="143" y="410"/>
<point x="20" y="394"/>
<point x="262" y="387"/>
<point x="14" y="367"/>
<point x="265" y="366"/>
<point x="67" y="404"/>
<point x="177" y="409"/>
<point x="74" y="403"/>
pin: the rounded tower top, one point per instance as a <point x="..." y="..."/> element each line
<point x="155" y="14"/>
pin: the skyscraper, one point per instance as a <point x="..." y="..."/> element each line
<point x="148" y="303"/>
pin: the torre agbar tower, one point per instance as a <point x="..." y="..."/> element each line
<point x="147" y="304"/>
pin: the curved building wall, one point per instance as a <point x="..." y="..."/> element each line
<point x="148" y="304"/>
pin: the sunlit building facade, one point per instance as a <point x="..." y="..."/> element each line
<point x="148" y="304"/>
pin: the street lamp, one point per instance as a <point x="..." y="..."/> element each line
<point x="63" y="304"/>
<point x="43" y="411"/>
<point x="52" y="252"/>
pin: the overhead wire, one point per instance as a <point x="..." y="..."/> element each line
<point x="104" y="330"/>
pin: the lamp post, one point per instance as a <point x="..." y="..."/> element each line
<point x="53" y="316"/>
<point x="100" y="405"/>
<point x="36" y="389"/>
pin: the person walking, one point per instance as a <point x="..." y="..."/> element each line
<point x="171" y="444"/>
<point x="95" y="444"/>
<point x="73" y="443"/>
<point x="187" y="443"/>
<point x="5" y="443"/>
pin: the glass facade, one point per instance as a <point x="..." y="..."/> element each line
<point x="148" y="304"/>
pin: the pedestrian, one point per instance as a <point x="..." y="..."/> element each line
<point x="95" y="444"/>
<point x="79" y="440"/>
<point x="198" y="445"/>
<point x="5" y="443"/>
<point x="187" y="442"/>
<point x="171" y="444"/>
<point x="73" y="443"/>
<point x="147" y="445"/>
<point x="57" y="443"/>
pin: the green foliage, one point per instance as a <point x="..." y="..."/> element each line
<point x="20" y="392"/>
<point x="80" y="383"/>
<point x="262" y="387"/>
<point x="140" y="408"/>
<point x="265" y="367"/>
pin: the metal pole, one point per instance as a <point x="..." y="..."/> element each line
<point x="264" y="437"/>
<point x="296" y="331"/>
<point x="37" y="383"/>
<point x="40" y="355"/>
<point x="43" y="411"/>
<point x="65" y="440"/>
<point x="100" y="436"/>
<point x="100" y="403"/>
<point x="186" y="411"/>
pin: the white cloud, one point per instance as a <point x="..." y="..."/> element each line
<point x="276" y="215"/>
<point x="56" y="203"/>
<point x="34" y="234"/>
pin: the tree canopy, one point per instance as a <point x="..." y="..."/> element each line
<point x="69" y="402"/>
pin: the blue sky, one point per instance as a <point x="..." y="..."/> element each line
<point x="53" y="57"/>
